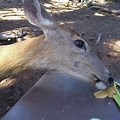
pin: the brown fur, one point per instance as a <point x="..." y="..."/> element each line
<point x="54" y="51"/>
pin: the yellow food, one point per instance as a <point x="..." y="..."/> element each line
<point x="100" y="94"/>
<point x="108" y="92"/>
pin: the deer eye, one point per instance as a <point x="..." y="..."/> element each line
<point x="80" y="43"/>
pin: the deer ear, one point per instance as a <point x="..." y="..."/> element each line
<point x="37" y="15"/>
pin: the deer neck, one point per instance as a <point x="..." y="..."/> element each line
<point x="19" y="56"/>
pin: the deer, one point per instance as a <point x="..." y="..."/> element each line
<point x="58" y="49"/>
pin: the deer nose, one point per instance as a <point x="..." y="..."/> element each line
<point x="110" y="80"/>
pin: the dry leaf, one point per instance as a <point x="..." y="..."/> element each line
<point x="108" y="92"/>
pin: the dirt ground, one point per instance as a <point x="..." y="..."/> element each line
<point x="90" y="23"/>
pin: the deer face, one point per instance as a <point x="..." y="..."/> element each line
<point x="73" y="55"/>
<point x="68" y="51"/>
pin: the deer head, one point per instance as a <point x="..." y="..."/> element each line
<point x="60" y="49"/>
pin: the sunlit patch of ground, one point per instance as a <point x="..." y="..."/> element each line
<point x="12" y="14"/>
<point x="18" y="13"/>
<point x="56" y="7"/>
<point x="114" y="45"/>
<point x="6" y="83"/>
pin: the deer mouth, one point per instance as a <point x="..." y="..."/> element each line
<point x="103" y="84"/>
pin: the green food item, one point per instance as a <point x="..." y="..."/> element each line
<point x="116" y="96"/>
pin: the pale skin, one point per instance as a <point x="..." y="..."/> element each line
<point x="59" y="49"/>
